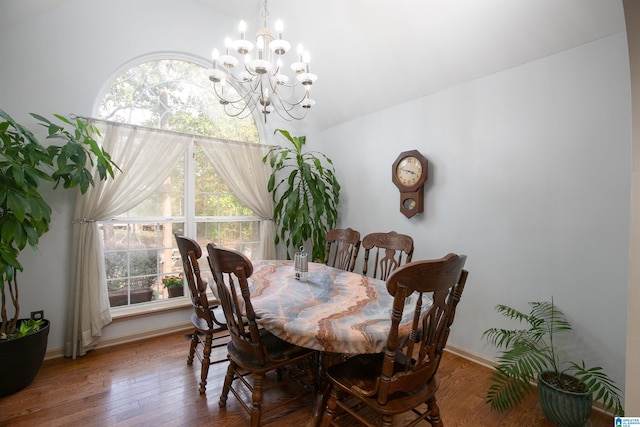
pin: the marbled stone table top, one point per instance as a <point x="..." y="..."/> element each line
<point x="334" y="311"/>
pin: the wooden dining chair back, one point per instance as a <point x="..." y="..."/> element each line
<point x="253" y="351"/>
<point x="342" y="249"/>
<point x="207" y="328"/>
<point x="230" y="271"/>
<point x="388" y="251"/>
<point x="404" y="377"/>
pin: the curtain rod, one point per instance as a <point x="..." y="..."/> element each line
<point x="172" y="132"/>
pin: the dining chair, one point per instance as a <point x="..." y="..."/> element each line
<point x="207" y="328"/>
<point x="404" y="377"/>
<point x="254" y="351"/>
<point x="342" y="249"/>
<point x="390" y="250"/>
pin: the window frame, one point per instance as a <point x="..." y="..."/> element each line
<point x="189" y="219"/>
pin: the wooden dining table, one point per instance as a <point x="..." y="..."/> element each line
<point x="337" y="312"/>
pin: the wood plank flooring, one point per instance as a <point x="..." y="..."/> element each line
<point x="148" y="383"/>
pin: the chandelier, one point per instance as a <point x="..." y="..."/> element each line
<point x="260" y="78"/>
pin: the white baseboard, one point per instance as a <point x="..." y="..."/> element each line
<point x="137" y="336"/>
<point x="469" y="355"/>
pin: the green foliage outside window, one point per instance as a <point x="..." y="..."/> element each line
<point x="174" y="95"/>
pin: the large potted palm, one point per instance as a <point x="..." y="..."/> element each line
<point x="565" y="389"/>
<point x="306" y="193"/>
<point x="25" y="164"/>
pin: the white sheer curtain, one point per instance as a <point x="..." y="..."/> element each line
<point x="146" y="157"/>
<point x="240" y="166"/>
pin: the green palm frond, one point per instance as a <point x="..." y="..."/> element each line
<point x="524" y="360"/>
<point x="506" y="391"/>
<point x="600" y="385"/>
<point x="528" y="352"/>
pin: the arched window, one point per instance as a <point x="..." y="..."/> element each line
<point x="140" y="250"/>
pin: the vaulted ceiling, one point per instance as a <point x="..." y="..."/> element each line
<point x="373" y="54"/>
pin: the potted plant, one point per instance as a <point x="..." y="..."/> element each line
<point x="174" y="285"/>
<point x="25" y="216"/>
<point x="306" y="193"/>
<point x="565" y="388"/>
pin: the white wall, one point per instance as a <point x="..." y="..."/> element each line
<point x="632" y="386"/>
<point x="529" y="168"/>
<point x="529" y="177"/>
<point x="59" y="62"/>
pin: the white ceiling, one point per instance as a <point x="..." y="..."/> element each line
<point x="373" y="54"/>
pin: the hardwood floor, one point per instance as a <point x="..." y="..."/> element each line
<point x="148" y="383"/>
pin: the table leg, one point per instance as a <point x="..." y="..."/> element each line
<point x="325" y="361"/>
<point x="320" y="404"/>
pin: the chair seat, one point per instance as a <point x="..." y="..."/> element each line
<point x="276" y="349"/>
<point x="361" y="373"/>
<point x="200" y="324"/>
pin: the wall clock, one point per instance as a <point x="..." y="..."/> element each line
<point x="409" y="172"/>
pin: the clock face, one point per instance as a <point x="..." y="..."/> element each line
<point x="409" y="171"/>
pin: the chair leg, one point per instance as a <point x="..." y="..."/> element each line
<point x="206" y="361"/>
<point x="228" y="379"/>
<point x="387" y="420"/>
<point x="192" y="349"/>
<point x="256" y="397"/>
<point x="330" y="409"/>
<point x="434" y="413"/>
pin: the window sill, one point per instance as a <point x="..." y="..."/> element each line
<point x="154" y="308"/>
<point x="150" y="309"/>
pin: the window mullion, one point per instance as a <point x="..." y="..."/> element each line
<point x="189" y="190"/>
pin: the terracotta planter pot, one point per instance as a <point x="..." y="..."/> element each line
<point x="21" y="358"/>
<point x="175" y="291"/>
<point x="563" y="408"/>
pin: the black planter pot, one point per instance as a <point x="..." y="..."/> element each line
<point x="21" y="358"/>
<point x="564" y="408"/>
